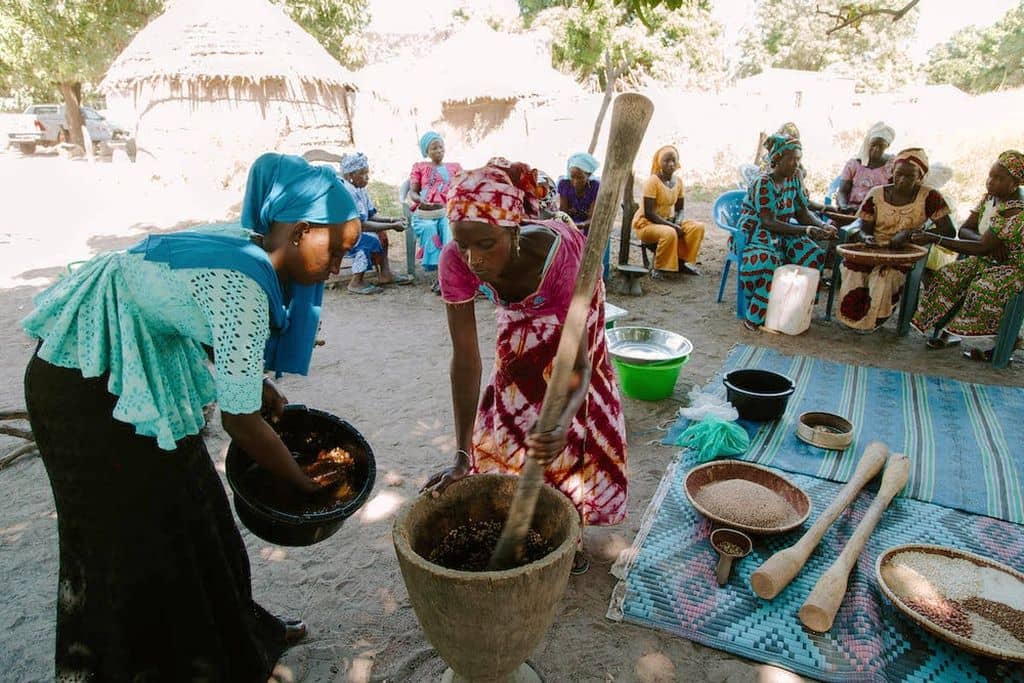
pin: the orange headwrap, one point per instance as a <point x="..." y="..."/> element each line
<point x="656" y="164"/>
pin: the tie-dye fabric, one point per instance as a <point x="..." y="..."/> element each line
<point x="591" y="470"/>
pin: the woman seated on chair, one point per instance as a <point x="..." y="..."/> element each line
<point x="428" y="194"/>
<point x="872" y="167"/>
<point x="371" y="251"/>
<point x="967" y="298"/>
<point x="577" y="190"/>
<point x="889" y="215"/>
<point x="772" y="240"/>
<point x="788" y="130"/>
<point x="660" y="219"/>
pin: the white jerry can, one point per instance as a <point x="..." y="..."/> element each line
<point x="791" y="302"/>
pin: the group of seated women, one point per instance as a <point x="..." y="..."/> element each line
<point x="893" y="206"/>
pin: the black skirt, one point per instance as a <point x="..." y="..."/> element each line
<point x="154" y="580"/>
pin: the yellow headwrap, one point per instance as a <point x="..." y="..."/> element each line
<point x="656" y="163"/>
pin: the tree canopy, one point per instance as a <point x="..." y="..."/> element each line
<point x="786" y="35"/>
<point x="982" y="59"/>
<point x="594" y="37"/>
<point x="336" y="24"/>
<point x="43" y="44"/>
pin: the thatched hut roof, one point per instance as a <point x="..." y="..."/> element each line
<point x="205" y="41"/>
<point x="473" y="63"/>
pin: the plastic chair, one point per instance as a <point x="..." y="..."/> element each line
<point x="833" y="188"/>
<point x="410" y="235"/>
<point x="726" y="212"/>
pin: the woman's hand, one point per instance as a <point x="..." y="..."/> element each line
<point x="901" y="238"/>
<point x="398" y="224"/>
<point x="919" y="237"/>
<point x="449" y="475"/>
<point x="826" y="232"/>
<point x="546" y="446"/>
<point x="273" y="401"/>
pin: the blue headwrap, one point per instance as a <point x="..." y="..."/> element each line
<point x="287" y="188"/>
<point x="426" y="139"/>
<point x="583" y="161"/>
<point x="350" y="163"/>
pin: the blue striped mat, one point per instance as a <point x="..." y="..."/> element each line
<point x="668" y="583"/>
<point x="965" y="441"/>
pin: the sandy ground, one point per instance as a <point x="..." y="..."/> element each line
<point x="384" y="368"/>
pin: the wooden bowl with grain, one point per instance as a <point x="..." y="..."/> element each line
<point x="747" y="497"/>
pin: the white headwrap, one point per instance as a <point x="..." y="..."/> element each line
<point x="879" y="130"/>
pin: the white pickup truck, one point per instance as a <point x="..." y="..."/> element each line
<point x="44" y="125"/>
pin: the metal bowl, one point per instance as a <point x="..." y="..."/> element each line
<point x="647" y="345"/>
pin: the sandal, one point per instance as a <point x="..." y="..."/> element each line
<point x="688" y="269"/>
<point x="397" y="280"/>
<point x="942" y="342"/>
<point x="580" y="564"/>
<point x="294" y="631"/>
<point x="368" y="289"/>
<point x="978" y="354"/>
<point x="751" y="327"/>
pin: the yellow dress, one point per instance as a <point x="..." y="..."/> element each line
<point x="671" y="249"/>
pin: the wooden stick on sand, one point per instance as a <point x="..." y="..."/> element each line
<point x="770" y="578"/>
<point x="630" y="115"/>
<point x="820" y="608"/>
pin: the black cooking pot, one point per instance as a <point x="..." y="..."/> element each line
<point x="306" y="432"/>
<point x="758" y="394"/>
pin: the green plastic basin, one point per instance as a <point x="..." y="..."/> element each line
<point x="651" y="382"/>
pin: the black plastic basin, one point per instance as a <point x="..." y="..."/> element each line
<point x="758" y="394"/>
<point x="305" y="431"/>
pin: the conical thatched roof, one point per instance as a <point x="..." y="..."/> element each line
<point x="474" y="63"/>
<point x="200" y="41"/>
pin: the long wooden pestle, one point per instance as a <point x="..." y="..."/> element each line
<point x="820" y="608"/>
<point x="630" y="115"/>
<point x="777" y="571"/>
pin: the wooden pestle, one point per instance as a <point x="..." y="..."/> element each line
<point x="820" y="608"/>
<point x="630" y="115"/>
<point x="777" y="571"/>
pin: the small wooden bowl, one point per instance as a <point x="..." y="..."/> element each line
<point x="862" y="254"/>
<point x="825" y="430"/>
<point x="724" y="470"/>
<point x="897" y="595"/>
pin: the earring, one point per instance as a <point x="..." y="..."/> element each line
<point x="515" y="243"/>
<point x="295" y="243"/>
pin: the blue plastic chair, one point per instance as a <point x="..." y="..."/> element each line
<point x="726" y="212"/>
<point x="410" y="235"/>
<point x="833" y="188"/>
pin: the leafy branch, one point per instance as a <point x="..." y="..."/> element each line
<point x="852" y="14"/>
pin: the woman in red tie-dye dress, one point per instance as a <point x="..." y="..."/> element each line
<point x="527" y="269"/>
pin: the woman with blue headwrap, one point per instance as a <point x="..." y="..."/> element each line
<point x="429" y="182"/>
<point x="371" y="251"/>
<point x="577" y="189"/>
<point x="771" y="239"/>
<point x="154" y="577"/>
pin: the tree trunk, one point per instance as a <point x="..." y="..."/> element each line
<point x="72" y="93"/>
<point x="611" y="75"/>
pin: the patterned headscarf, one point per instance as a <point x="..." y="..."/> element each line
<point x="879" y="130"/>
<point x="916" y="156"/>
<point x="350" y="163"/>
<point x="501" y="193"/>
<point x="656" y="162"/>
<point x="789" y="130"/>
<point x="583" y="161"/>
<point x="780" y="144"/>
<point x="1013" y="162"/>
<point x="426" y="139"/>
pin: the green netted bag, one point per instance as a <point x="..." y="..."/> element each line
<point x="712" y="437"/>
